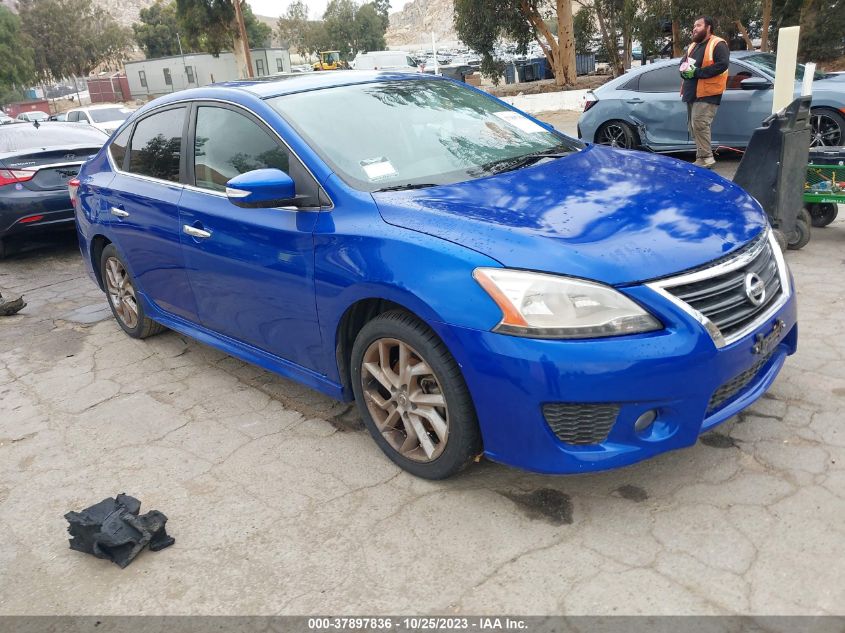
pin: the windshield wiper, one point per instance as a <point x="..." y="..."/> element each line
<point x="518" y="162"/>
<point x="406" y="186"/>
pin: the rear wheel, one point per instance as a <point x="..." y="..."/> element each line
<point x="123" y="300"/>
<point x="823" y="214"/>
<point x="827" y="128"/>
<point x="617" y="134"/>
<point x="412" y="397"/>
<point x="801" y="235"/>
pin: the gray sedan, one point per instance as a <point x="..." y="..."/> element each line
<point x="643" y="107"/>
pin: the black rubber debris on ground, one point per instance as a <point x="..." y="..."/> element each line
<point x="113" y="529"/>
<point x="8" y="307"/>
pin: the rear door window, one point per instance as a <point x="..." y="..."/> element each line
<point x="156" y="145"/>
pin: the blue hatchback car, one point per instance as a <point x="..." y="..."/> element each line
<point x="477" y="282"/>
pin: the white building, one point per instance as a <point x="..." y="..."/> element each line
<point x="156" y="77"/>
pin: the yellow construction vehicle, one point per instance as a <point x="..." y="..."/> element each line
<point x="330" y="60"/>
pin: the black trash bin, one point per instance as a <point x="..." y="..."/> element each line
<point x="773" y="169"/>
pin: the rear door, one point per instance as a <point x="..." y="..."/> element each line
<point x="656" y="102"/>
<point x="253" y="270"/>
<point x="144" y="210"/>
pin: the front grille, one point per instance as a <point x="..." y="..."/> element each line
<point x="735" y="385"/>
<point x="576" y="423"/>
<point x="722" y="298"/>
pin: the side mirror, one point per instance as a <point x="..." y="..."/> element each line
<point x="755" y="83"/>
<point x="261" y="188"/>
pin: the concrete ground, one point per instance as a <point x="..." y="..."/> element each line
<point x="281" y="504"/>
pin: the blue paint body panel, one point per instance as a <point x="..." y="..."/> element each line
<point x="272" y="286"/>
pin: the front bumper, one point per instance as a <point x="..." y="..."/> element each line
<point x="675" y="372"/>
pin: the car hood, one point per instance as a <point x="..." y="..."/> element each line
<point x="611" y="215"/>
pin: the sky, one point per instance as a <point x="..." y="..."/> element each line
<point x="275" y="8"/>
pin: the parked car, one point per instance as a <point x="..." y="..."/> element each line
<point x="106" y="117"/>
<point x="32" y="116"/>
<point x="35" y="166"/>
<point x="384" y="60"/>
<point x="5" y="120"/>
<point x="476" y="281"/>
<point x="62" y="116"/>
<point x="643" y="107"/>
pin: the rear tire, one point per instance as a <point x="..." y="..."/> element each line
<point x="801" y="236"/>
<point x="128" y="311"/>
<point x="823" y="214"/>
<point x="413" y="398"/>
<point x="827" y="128"/>
<point x="617" y="134"/>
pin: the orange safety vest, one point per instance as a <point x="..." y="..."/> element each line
<point x="710" y="86"/>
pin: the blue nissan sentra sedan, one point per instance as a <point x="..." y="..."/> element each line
<point x="476" y="281"/>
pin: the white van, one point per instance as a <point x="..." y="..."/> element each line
<point x="385" y="60"/>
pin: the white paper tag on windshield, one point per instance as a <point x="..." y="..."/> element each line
<point x="520" y="122"/>
<point x="378" y="168"/>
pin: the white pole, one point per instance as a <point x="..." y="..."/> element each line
<point x="787" y="61"/>
<point x="807" y="86"/>
<point x="434" y="51"/>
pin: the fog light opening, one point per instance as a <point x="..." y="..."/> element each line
<point x="645" y="421"/>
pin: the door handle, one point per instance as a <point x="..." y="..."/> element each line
<point x="195" y="232"/>
<point x="633" y="101"/>
<point x="119" y="212"/>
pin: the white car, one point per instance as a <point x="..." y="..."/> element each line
<point x="5" y="119"/>
<point x="385" y="60"/>
<point x="106" y="117"/>
<point x="34" y="115"/>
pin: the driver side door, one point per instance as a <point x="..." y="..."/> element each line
<point x="251" y="270"/>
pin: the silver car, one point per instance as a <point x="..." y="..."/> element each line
<point x="643" y="107"/>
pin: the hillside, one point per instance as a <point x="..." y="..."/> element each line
<point x="418" y="20"/>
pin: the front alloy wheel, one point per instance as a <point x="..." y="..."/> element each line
<point x="405" y="400"/>
<point x="412" y="396"/>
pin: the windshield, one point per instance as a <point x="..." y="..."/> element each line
<point x="103" y="115"/>
<point x="766" y="63"/>
<point x="425" y="132"/>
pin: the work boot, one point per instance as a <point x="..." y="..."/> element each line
<point x="707" y="163"/>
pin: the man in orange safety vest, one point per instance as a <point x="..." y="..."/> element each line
<point x="705" y="75"/>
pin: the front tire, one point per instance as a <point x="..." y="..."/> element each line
<point x="123" y="300"/>
<point x="413" y="398"/>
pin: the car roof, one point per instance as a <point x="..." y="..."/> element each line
<point x="277" y="86"/>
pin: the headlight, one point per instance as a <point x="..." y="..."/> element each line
<point x="547" y="306"/>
